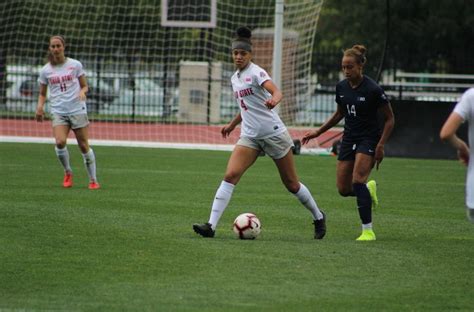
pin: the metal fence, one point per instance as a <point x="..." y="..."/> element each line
<point x="155" y="92"/>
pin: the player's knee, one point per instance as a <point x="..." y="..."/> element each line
<point x="232" y="177"/>
<point x="293" y="187"/>
<point x="84" y="148"/>
<point x="60" y="143"/>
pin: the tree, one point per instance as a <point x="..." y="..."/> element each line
<point x="424" y="35"/>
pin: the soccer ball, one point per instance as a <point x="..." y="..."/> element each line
<point x="247" y="226"/>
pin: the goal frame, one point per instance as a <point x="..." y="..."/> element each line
<point x="166" y="22"/>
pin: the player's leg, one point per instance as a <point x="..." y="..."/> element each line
<point x="240" y="160"/>
<point x="81" y="130"/>
<point x="289" y="177"/>
<point x="345" y="183"/>
<point x="470" y="191"/>
<point x="344" y="169"/>
<point x="470" y="214"/>
<point x="362" y="167"/>
<point x="61" y="130"/>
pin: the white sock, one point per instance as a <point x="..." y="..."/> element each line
<point x="367" y="226"/>
<point x="305" y="197"/>
<point x="89" y="161"/>
<point x="221" y="200"/>
<point x="63" y="156"/>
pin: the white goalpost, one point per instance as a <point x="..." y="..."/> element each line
<point x="158" y="70"/>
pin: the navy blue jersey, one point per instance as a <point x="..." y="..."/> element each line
<point x="360" y="107"/>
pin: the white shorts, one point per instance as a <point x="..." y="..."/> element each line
<point x="276" y="147"/>
<point x="74" y="121"/>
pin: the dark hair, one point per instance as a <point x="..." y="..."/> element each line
<point x="242" y="39"/>
<point x="358" y="52"/>
<point x="243" y="32"/>
<point x="50" y="56"/>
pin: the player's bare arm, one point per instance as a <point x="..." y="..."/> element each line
<point x="277" y="96"/>
<point x="227" y="129"/>
<point x="84" y="88"/>
<point x="448" y="134"/>
<point x="41" y="101"/>
<point x="389" y="120"/>
<point x="331" y="122"/>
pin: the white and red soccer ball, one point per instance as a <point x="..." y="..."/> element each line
<point x="247" y="226"/>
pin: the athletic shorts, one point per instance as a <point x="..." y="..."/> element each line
<point x="349" y="148"/>
<point x="74" y="121"/>
<point x="276" y="147"/>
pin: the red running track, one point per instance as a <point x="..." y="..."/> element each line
<point x="148" y="132"/>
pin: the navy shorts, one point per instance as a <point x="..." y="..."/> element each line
<point x="349" y="148"/>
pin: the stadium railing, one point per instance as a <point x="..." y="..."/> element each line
<point x="427" y="86"/>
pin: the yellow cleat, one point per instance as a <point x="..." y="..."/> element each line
<point x="367" y="235"/>
<point x="372" y="186"/>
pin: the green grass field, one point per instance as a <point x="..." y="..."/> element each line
<point x="130" y="245"/>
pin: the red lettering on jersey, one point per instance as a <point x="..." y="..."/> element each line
<point x="66" y="78"/>
<point x="54" y="80"/>
<point x="245" y="92"/>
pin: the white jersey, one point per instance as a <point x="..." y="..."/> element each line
<point x="63" y="84"/>
<point x="258" y="121"/>
<point x="465" y="108"/>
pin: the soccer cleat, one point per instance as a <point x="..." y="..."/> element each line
<point x="320" y="227"/>
<point x="94" y="185"/>
<point x="67" y="181"/>
<point x="204" y="230"/>
<point x="372" y="186"/>
<point x="367" y="235"/>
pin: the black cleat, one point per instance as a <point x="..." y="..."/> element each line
<point x="204" y="230"/>
<point x="320" y="227"/>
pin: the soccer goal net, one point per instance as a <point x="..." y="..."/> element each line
<point x="158" y="71"/>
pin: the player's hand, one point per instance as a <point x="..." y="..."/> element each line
<point x="309" y="136"/>
<point x="270" y="103"/>
<point x="82" y="96"/>
<point x="226" y="130"/>
<point x="463" y="154"/>
<point x="39" y="115"/>
<point x="379" y="155"/>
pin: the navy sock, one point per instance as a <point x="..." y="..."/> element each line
<point x="364" y="202"/>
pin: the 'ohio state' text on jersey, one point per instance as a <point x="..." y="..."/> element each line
<point x="258" y="121"/>
<point x="63" y="84"/>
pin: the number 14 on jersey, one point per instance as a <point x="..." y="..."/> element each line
<point x="351" y="110"/>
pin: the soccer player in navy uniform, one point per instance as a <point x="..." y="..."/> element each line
<point x="359" y="100"/>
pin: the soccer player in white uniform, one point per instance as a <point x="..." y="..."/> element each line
<point x="67" y="85"/>
<point x="261" y="131"/>
<point x="463" y="111"/>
